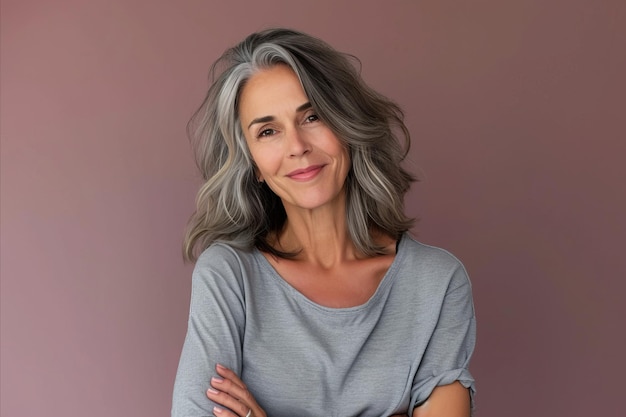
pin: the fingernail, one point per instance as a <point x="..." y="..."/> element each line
<point x="217" y="410"/>
<point x="217" y="380"/>
<point x="218" y="366"/>
<point x="213" y="391"/>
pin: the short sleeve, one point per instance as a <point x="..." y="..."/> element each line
<point x="214" y="332"/>
<point x="447" y="355"/>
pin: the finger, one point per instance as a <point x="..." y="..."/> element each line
<point x="231" y="384"/>
<point x="231" y="395"/>
<point x="231" y="388"/>
<point x="225" y="402"/>
<point x="222" y="412"/>
<point x="219" y="411"/>
<point x="226" y="373"/>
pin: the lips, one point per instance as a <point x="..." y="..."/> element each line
<point x="305" y="173"/>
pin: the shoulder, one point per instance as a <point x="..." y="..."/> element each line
<point x="426" y="256"/>
<point x="436" y="283"/>
<point x="219" y="253"/>
<point x="222" y="262"/>
<point x="430" y="266"/>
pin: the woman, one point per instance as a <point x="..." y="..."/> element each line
<point x="309" y="298"/>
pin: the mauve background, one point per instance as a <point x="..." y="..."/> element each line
<point x="517" y="110"/>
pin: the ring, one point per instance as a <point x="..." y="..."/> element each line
<point x="249" y="413"/>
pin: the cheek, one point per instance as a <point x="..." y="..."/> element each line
<point x="335" y="147"/>
<point x="345" y="157"/>
<point x="266" y="159"/>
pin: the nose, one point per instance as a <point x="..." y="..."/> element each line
<point x="297" y="143"/>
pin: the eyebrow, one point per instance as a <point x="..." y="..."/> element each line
<point x="266" y="119"/>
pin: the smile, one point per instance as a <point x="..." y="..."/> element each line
<point x="305" y="173"/>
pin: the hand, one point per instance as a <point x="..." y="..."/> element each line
<point x="229" y="391"/>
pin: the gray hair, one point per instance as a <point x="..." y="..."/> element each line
<point x="234" y="208"/>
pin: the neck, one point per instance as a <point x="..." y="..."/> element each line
<point x="320" y="236"/>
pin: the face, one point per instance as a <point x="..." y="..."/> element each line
<point x="295" y="153"/>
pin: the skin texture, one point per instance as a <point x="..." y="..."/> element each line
<point x="446" y="401"/>
<point x="284" y="135"/>
<point x="305" y="164"/>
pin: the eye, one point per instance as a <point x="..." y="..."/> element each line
<point x="266" y="132"/>
<point x="311" y="118"/>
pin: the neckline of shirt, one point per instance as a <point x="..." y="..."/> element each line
<point x="384" y="283"/>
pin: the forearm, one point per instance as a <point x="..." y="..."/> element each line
<point x="446" y="401"/>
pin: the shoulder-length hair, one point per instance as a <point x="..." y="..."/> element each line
<point x="234" y="208"/>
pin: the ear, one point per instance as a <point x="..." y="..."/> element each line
<point x="257" y="174"/>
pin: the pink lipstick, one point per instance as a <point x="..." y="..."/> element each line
<point x="305" y="174"/>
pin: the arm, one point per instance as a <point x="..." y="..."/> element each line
<point x="215" y="330"/>
<point x="451" y="400"/>
<point x="443" y="385"/>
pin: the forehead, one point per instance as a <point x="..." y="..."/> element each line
<point x="271" y="90"/>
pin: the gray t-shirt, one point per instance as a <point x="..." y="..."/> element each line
<point x="299" y="358"/>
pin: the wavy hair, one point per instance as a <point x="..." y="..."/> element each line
<point x="233" y="208"/>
